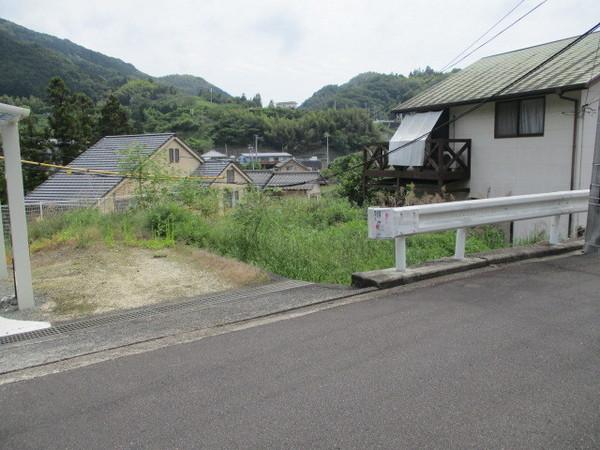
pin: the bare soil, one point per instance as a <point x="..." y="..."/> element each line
<point x="71" y="282"/>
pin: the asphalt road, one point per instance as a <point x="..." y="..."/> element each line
<point x="506" y="359"/>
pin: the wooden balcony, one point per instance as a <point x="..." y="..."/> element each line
<point x="445" y="161"/>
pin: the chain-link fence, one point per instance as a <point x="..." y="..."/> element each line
<point x="45" y="209"/>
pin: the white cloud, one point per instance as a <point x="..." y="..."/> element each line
<point x="287" y="50"/>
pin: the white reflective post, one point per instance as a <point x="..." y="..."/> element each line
<point x="401" y="254"/>
<point x="459" y="246"/>
<point x="3" y="268"/>
<point x="9" y="117"/>
<point x="554" y="231"/>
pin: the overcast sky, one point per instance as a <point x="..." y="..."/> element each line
<point x="286" y="50"/>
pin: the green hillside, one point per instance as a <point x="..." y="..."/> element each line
<point x="193" y="85"/>
<point x="376" y="92"/>
<point x="30" y="59"/>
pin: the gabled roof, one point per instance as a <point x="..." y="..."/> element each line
<point x="572" y="69"/>
<point x="106" y="154"/>
<point x="294" y="180"/>
<point x="214" y="168"/>
<point x="259" y="177"/>
<point x="292" y="161"/>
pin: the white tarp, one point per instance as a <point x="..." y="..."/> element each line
<point x="11" y="326"/>
<point x="412" y="127"/>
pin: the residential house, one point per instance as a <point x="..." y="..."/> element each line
<point x="225" y="175"/>
<point x="536" y="136"/>
<point x="214" y="154"/>
<point x="291" y="165"/>
<point x="264" y="159"/>
<point x="109" y="154"/>
<point x="293" y="183"/>
<point x="313" y="163"/>
<point x="286" y="105"/>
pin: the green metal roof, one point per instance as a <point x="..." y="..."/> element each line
<point x="572" y="69"/>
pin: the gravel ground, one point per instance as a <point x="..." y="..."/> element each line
<point x="73" y="282"/>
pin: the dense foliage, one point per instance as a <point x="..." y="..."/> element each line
<point x="321" y="241"/>
<point x="31" y="59"/>
<point x="193" y="85"/>
<point x="65" y="123"/>
<point x="378" y="93"/>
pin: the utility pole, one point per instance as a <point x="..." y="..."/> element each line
<point x="255" y="149"/>
<point x="592" y="229"/>
<point x="327" y="147"/>
<point x="211" y="91"/>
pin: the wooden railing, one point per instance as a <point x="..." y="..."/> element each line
<point x="445" y="160"/>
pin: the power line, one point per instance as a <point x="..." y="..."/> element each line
<point x="495" y="36"/>
<point x="493" y="96"/>
<point x="470" y="110"/>
<point x="107" y="173"/>
<point x="483" y="35"/>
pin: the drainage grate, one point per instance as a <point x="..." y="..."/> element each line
<point x="198" y="303"/>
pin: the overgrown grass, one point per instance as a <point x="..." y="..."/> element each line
<point x="322" y="241"/>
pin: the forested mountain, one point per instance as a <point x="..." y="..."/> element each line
<point x="193" y="85"/>
<point x="30" y="59"/>
<point x="376" y="92"/>
<point x="77" y="95"/>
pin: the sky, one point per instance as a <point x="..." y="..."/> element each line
<point x="286" y="50"/>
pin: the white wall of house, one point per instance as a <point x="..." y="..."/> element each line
<point x="586" y="137"/>
<point x="527" y="165"/>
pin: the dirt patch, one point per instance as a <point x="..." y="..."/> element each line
<point x="73" y="282"/>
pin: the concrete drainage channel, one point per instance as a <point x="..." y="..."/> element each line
<point x="199" y="302"/>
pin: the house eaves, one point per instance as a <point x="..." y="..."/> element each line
<point x="573" y="69"/>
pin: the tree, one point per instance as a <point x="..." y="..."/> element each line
<point x="257" y="101"/>
<point x="113" y="118"/>
<point x="71" y="121"/>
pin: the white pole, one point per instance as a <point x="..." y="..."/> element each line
<point x="554" y="231"/>
<point x="459" y="248"/>
<point x="16" y="209"/>
<point x="3" y="268"/>
<point x="401" y="254"/>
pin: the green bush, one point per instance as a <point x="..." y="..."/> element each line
<point x="321" y="241"/>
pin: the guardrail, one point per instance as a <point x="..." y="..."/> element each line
<point x="397" y="223"/>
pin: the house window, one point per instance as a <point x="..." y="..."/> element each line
<point x="173" y="155"/>
<point x="519" y="118"/>
<point x="230" y="176"/>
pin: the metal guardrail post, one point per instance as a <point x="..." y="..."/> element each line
<point x="459" y="246"/>
<point x="554" y="231"/>
<point x="401" y="254"/>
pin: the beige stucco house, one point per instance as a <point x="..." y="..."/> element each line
<point x="110" y="154"/>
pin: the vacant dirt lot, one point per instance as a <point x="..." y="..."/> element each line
<point x="73" y="282"/>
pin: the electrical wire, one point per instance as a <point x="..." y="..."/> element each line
<point x="496" y="35"/>
<point x="84" y="170"/>
<point x="388" y="152"/>
<point x="449" y="64"/>
<point x="493" y="96"/>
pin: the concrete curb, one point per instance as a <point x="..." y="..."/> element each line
<point x="387" y="278"/>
